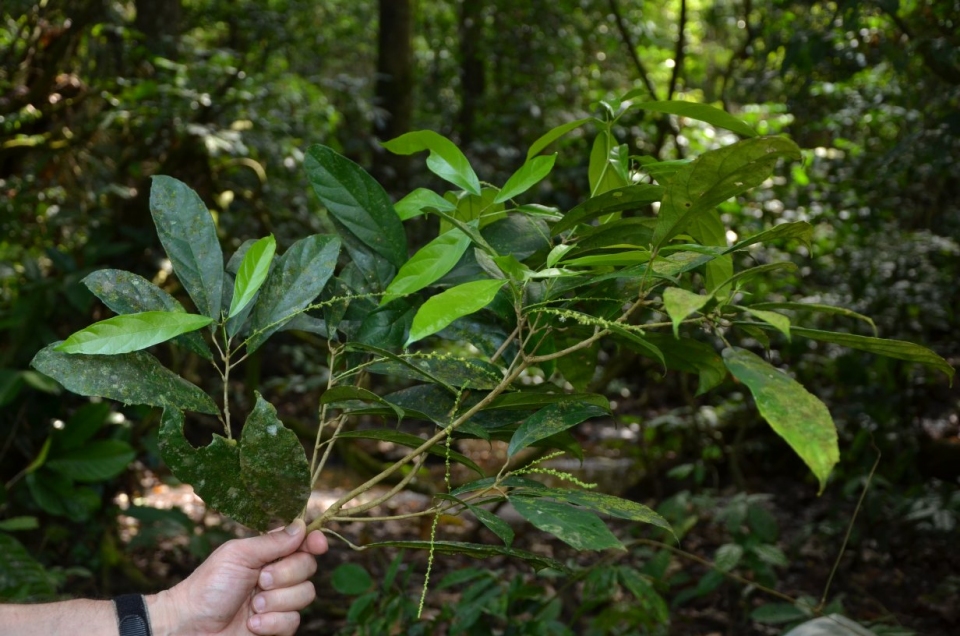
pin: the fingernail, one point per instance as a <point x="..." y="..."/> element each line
<point x="266" y="580"/>
<point x="295" y="528"/>
<point x="255" y="621"/>
<point x="259" y="603"/>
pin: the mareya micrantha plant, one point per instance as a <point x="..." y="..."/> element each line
<point x="643" y="264"/>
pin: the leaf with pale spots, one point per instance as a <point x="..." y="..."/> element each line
<point x="273" y="465"/>
<point x="576" y="527"/>
<point x="550" y="420"/>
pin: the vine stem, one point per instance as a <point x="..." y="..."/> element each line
<point x="331" y="380"/>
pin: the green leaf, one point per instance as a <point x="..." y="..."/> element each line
<point x="401" y="366"/>
<point x="442" y="309"/>
<point x="793" y="412"/>
<point x="530" y="173"/>
<point x="22" y="578"/>
<point x="14" y="524"/>
<point x="273" y="465"/>
<point x="801" y="230"/>
<point x="650" y="604"/>
<point x="253" y="271"/>
<point x="716" y="176"/>
<point x="631" y="197"/>
<point x="188" y="235"/>
<point x="777" y="613"/>
<point x="475" y="550"/>
<point x="126" y="293"/>
<point x="428" y="265"/>
<point x="618" y="259"/>
<point x="551" y="419"/>
<point x="82" y="425"/>
<point x="899" y="349"/>
<point x="753" y="272"/>
<point x="295" y="281"/>
<point x="608" y="164"/>
<point x="351" y="579"/>
<point x="771" y="554"/>
<point x="494" y="524"/>
<point x="638" y="343"/>
<point x="445" y="160"/>
<point x="95" y="461"/>
<point x="346" y="392"/>
<point x="526" y="400"/>
<point x="779" y="322"/>
<point x="661" y="170"/>
<point x="410" y="441"/>
<point x="414" y="203"/>
<point x="680" y="303"/>
<point x="213" y="471"/>
<point x="817" y="307"/>
<point x="357" y="201"/>
<point x="727" y="556"/>
<point x="131" y="332"/>
<point x="700" y="112"/>
<point x="553" y="134"/>
<point x="601" y="503"/>
<point x="387" y="326"/>
<point x="130" y="378"/>
<point x="691" y="356"/>
<point x="580" y="529"/>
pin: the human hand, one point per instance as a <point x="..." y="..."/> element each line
<point x="254" y="586"/>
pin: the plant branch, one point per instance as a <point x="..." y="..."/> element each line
<point x="355" y="510"/>
<point x="678" y="53"/>
<point x="628" y="41"/>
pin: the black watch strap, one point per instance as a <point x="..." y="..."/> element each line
<point x="132" y="617"/>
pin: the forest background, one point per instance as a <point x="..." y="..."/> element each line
<point x="97" y="96"/>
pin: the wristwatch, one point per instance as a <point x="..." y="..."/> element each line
<point x="132" y="617"/>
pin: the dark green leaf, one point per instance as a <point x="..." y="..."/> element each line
<point x="691" y="110"/>
<point x="631" y="197"/>
<point x="82" y="425"/>
<point x="778" y="613"/>
<point x="800" y="230"/>
<point x="716" y="176"/>
<point x="638" y="343"/>
<point x="95" y="461"/>
<point x="529" y="174"/>
<point x="127" y="293"/>
<point x="344" y="393"/>
<point x="651" y="605"/>
<point x="691" y="356"/>
<point x="445" y="160"/>
<point x="213" y="471"/>
<point x="296" y="280"/>
<point x="22" y="578"/>
<point x="402" y="366"/>
<point x="15" y="524"/>
<point x="817" y="307"/>
<point x="387" y="326"/>
<point x="551" y="419"/>
<point x="273" y="465"/>
<point x="130" y="378"/>
<point x="555" y="133"/>
<point x="753" y="272"/>
<point x="189" y="237"/>
<point x="475" y="550"/>
<point x="577" y="528"/>
<point x="793" y="412"/>
<point x="131" y="332"/>
<point x="351" y="579"/>
<point x="495" y="524"/>
<point x="598" y="502"/>
<point x="253" y="271"/>
<point x="526" y="400"/>
<point x="410" y="441"/>
<point x="357" y="201"/>
<point x="442" y="309"/>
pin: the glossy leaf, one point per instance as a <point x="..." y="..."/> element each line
<point x="553" y="134"/>
<point x="126" y="293"/>
<point x="357" y="201"/>
<point x="716" y="176"/>
<point x="529" y="174"/>
<point x="410" y="441"/>
<point x="600" y="503"/>
<point x="94" y="461"/>
<point x="700" y="112"/>
<point x="631" y="197"/>
<point x="680" y="303"/>
<point x="476" y="551"/>
<point x="387" y="326"/>
<point x="414" y="203"/>
<point x="779" y="322"/>
<point x="550" y="420"/>
<point x="445" y="160"/>
<point x="396" y="365"/>
<point x="131" y="332"/>
<point x="129" y="378"/>
<point x="296" y="280"/>
<point x="794" y="413"/>
<point x="189" y="236"/>
<point x="442" y="309"/>
<point x="428" y="265"/>
<point x="578" y="528"/>
<point x="213" y="471"/>
<point x="252" y="273"/>
<point x="898" y="349"/>
<point x="273" y="465"/>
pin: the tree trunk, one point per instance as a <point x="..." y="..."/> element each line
<point x="394" y="87"/>
<point x="472" y="80"/>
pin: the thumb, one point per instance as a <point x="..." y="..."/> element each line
<point x="267" y="548"/>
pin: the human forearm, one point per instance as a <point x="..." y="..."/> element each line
<point x="96" y="618"/>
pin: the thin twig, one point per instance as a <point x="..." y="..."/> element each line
<point x="628" y="41"/>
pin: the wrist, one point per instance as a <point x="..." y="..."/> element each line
<point x="164" y="614"/>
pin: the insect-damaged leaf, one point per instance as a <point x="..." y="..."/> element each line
<point x="130" y="378"/>
<point x="550" y="420"/>
<point x="188" y="235"/>
<point x="273" y="465"/>
<point x="212" y="470"/>
<point x="793" y="412"/>
<point x="295" y="281"/>
<point x="127" y="293"/>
